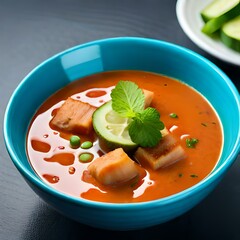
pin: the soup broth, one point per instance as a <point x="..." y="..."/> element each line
<point x="58" y="164"/>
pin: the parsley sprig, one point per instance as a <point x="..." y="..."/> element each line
<point x="128" y="102"/>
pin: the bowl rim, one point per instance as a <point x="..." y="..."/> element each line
<point x="35" y="180"/>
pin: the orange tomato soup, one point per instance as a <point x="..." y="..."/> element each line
<point x="57" y="163"/>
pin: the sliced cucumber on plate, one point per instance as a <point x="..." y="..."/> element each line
<point x="230" y="34"/>
<point x="218" y="13"/>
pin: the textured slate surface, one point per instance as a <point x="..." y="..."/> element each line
<point x="30" y="32"/>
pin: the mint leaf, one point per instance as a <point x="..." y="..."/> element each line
<point x="127" y="99"/>
<point x="145" y="128"/>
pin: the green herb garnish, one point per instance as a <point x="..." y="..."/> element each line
<point x="193" y="176"/>
<point x="145" y="128"/>
<point x="127" y="99"/>
<point x="128" y="102"/>
<point x="173" y="115"/>
<point x="191" y="142"/>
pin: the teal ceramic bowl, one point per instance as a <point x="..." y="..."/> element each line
<point x="122" y="54"/>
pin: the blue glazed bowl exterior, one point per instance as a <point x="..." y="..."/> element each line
<point x="122" y="54"/>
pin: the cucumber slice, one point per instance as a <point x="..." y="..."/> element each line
<point x="112" y="129"/>
<point x="219" y="12"/>
<point x="230" y="34"/>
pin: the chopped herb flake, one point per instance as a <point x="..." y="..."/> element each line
<point x="193" y="176"/>
<point x="204" y="124"/>
<point x="180" y="174"/>
<point x="173" y="115"/>
<point x="191" y="142"/>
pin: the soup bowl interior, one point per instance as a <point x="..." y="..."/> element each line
<point x="122" y="54"/>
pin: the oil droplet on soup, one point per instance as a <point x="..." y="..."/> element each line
<point x="40" y="146"/>
<point x="65" y="159"/>
<point x="71" y="170"/>
<point x="63" y="166"/>
<point x="61" y="147"/>
<point x="51" y="178"/>
<point x="95" y="93"/>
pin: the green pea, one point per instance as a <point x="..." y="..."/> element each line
<point x="86" y="145"/>
<point x="85" y="157"/>
<point x="75" y="141"/>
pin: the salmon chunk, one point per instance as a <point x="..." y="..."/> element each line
<point x="74" y="116"/>
<point x="113" y="168"/>
<point x="148" y="97"/>
<point x="167" y="152"/>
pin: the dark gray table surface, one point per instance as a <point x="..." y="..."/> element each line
<point x="32" y="31"/>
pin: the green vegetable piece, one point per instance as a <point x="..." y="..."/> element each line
<point x="173" y="115"/>
<point x="112" y="128"/>
<point x="230" y="34"/>
<point x="75" y="141"/>
<point x="191" y="142"/>
<point x="85" y="157"/>
<point x="217" y="8"/>
<point x="219" y="12"/>
<point x="86" y="145"/>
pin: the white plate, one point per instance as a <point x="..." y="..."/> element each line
<point x="188" y="14"/>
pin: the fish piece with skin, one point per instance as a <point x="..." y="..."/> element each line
<point x="74" y="116"/>
<point x="148" y="97"/>
<point x="167" y="152"/>
<point x="113" y="168"/>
